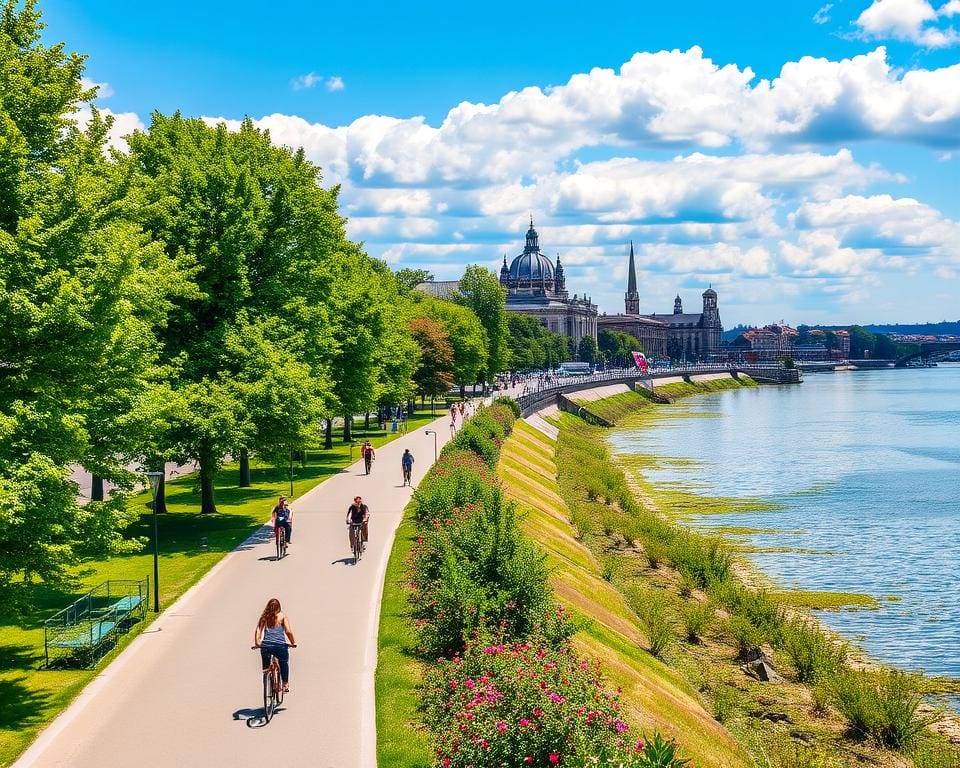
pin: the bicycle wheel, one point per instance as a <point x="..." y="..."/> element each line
<point x="356" y="542"/>
<point x="268" y="698"/>
<point x="280" y="541"/>
<point x="277" y="686"/>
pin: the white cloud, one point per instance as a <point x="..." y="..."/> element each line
<point x="124" y="123"/>
<point x="309" y="80"/>
<point x="910" y="20"/>
<point x="104" y="90"/>
<point x="891" y="225"/>
<point x="335" y="83"/>
<point x="822" y="16"/>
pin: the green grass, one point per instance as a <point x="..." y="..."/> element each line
<point x="615" y="407"/>
<point x="31" y="695"/>
<point x="826" y="601"/>
<point x="400" y="743"/>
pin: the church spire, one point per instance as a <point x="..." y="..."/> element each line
<point x="632" y="296"/>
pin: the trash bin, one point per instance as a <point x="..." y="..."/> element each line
<point x="394" y="427"/>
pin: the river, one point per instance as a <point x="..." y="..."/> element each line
<point x="865" y="465"/>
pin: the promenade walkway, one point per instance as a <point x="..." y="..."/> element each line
<point x="182" y="693"/>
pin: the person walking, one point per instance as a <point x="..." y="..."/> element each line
<point x="274" y="637"/>
<point x="462" y="408"/>
<point x="366" y="450"/>
<point x="406" y="464"/>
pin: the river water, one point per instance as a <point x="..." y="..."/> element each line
<point x="866" y="465"/>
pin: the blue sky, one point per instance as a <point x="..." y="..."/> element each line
<point x="803" y="159"/>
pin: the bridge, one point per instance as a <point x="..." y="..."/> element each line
<point x="535" y="399"/>
<point x="927" y="351"/>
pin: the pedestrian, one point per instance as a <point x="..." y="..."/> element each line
<point x="462" y="410"/>
<point x="406" y="464"/>
<point x="366" y="450"/>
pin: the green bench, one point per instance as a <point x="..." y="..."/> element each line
<point x="83" y="627"/>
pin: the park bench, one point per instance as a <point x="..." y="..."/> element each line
<point x="82" y="629"/>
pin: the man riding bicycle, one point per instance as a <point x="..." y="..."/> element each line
<point x="359" y="514"/>
<point x="368" y="454"/>
<point x="406" y="463"/>
<point x="282" y="515"/>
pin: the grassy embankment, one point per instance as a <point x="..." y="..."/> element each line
<point x="654" y="696"/>
<point x="30" y="695"/>
<point x="698" y="617"/>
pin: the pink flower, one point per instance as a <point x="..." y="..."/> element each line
<point x="501" y="726"/>
<point x="470" y="684"/>
<point x="524" y="722"/>
<point x="528" y="759"/>
<point x="620" y="726"/>
<point x="641" y="746"/>
<point x="554" y="758"/>
<point x="446" y="762"/>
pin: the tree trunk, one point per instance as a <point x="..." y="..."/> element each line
<point x="328" y="434"/>
<point x="244" y="468"/>
<point x="366" y="421"/>
<point x="347" y="428"/>
<point x="96" y="488"/>
<point x="207" y="473"/>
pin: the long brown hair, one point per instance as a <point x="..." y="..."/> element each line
<point x="269" y="616"/>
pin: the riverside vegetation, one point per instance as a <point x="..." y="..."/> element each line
<point x="476" y="663"/>
<point x="833" y="709"/>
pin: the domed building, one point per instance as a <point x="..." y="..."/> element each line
<point x="537" y="288"/>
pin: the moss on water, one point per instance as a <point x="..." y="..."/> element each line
<point x="815" y="600"/>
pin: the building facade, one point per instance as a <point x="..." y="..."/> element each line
<point x="678" y="335"/>
<point x="538" y="289"/>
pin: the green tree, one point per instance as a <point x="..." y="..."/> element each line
<point x="408" y="279"/>
<point x="617" y="347"/>
<point x="480" y="290"/>
<point x="862" y="342"/>
<point x="587" y="350"/>
<point x="82" y="291"/>
<point x="266" y="243"/>
<point x="465" y="333"/>
<point x="434" y="376"/>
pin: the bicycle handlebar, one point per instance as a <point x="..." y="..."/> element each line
<point x="258" y="647"/>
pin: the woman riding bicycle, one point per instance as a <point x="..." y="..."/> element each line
<point x="273" y="636"/>
<point x="283" y="516"/>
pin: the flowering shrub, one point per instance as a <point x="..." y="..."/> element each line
<point x="474" y="569"/>
<point x="458" y="479"/>
<point x="528" y="704"/>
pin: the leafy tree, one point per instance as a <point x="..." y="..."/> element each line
<point x="82" y="291"/>
<point x="434" y="376"/>
<point x="408" y="279"/>
<point x="884" y="347"/>
<point x="465" y="333"/>
<point x="265" y="240"/>
<point x="532" y="345"/>
<point x="862" y="342"/>
<point x="618" y="347"/>
<point x="480" y="290"/>
<point x="587" y="350"/>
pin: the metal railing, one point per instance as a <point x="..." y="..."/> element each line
<point x="92" y="619"/>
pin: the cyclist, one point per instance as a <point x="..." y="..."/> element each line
<point x="357" y="513"/>
<point x="283" y="515"/>
<point x="272" y="636"/>
<point x="406" y="463"/>
<point x="368" y="454"/>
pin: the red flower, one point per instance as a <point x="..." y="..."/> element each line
<point x="554" y="758"/>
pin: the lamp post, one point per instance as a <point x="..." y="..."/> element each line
<point x="291" y="473"/>
<point x="155" y="478"/>
<point x="433" y="432"/>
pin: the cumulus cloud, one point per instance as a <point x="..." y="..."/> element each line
<point x="914" y="21"/>
<point x="335" y="83"/>
<point x="893" y="225"/>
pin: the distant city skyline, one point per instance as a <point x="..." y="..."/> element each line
<point x="802" y="158"/>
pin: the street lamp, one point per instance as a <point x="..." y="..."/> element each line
<point x="155" y="478"/>
<point x="434" y="433"/>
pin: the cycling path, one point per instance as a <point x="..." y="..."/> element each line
<point x="183" y="692"/>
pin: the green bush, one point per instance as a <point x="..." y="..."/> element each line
<point x="653" y="608"/>
<point x="509" y="403"/>
<point x="745" y="635"/>
<point x="726" y="703"/>
<point x="697" y="618"/>
<point x="934" y="752"/>
<point x="814" y="655"/>
<point x="883" y="705"/>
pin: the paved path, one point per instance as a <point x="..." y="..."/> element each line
<point x="182" y="693"/>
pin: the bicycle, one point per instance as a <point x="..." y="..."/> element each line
<point x="368" y="462"/>
<point x="272" y="686"/>
<point x="280" y="534"/>
<point x="356" y="541"/>
<point x="406" y="476"/>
